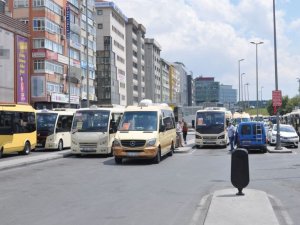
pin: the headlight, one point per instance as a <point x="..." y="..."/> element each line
<point x="116" y="142"/>
<point x="221" y="137"/>
<point x="198" y="136"/>
<point x="151" y="142"/>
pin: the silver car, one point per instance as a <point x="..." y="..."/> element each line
<point x="288" y="135"/>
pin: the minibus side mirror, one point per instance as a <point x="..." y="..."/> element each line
<point x="162" y="128"/>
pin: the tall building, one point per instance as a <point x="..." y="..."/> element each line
<point x="153" y="73"/>
<point x="111" y="53"/>
<point x="174" y="86"/>
<point x="206" y="90"/>
<point x="190" y="90"/>
<point x="14" y="61"/>
<point x="165" y="81"/>
<point x="58" y="77"/>
<point x="182" y="83"/>
<point x="135" y="61"/>
<point x="227" y="95"/>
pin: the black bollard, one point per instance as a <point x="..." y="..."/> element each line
<point x="240" y="169"/>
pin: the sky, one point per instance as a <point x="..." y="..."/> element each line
<point x="211" y="36"/>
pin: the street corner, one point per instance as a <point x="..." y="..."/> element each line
<point x="272" y="149"/>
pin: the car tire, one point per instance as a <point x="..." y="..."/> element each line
<point x="157" y="158"/>
<point x="60" y="145"/>
<point x="26" y="150"/>
<point x="171" y="150"/>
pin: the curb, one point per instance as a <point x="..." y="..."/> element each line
<point x="283" y="150"/>
<point x="33" y="160"/>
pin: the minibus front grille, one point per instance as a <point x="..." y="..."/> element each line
<point x="88" y="145"/>
<point x="133" y="143"/>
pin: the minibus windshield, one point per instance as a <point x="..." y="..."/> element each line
<point x="91" y="121"/>
<point x="139" y="121"/>
<point x="46" y="122"/>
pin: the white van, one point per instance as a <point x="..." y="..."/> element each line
<point x="94" y="129"/>
<point x="53" y="128"/>
<point x="145" y="131"/>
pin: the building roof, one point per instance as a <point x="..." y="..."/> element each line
<point x="13" y="25"/>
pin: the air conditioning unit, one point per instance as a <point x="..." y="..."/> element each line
<point x="62" y="18"/>
<point x="62" y="37"/>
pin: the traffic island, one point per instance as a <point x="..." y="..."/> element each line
<point x="271" y="149"/>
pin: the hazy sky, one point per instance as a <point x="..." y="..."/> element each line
<point x="210" y="36"/>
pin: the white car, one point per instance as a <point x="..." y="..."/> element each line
<point x="288" y="135"/>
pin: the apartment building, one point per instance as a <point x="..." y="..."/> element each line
<point x="165" y="81"/>
<point x="58" y="57"/>
<point x="14" y="61"/>
<point x="135" y="61"/>
<point x="182" y="83"/>
<point x="111" y="53"/>
<point x="174" y="79"/>
<point x="153" y="70"/>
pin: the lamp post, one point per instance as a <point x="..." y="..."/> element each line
<point x="242" y="90"/>
<point x="278" y="144"/>
<point x="239" y="62"/>
<point x="247" y="94"/>
<point x="256" y="43"/>
<point x="261" y="103"/>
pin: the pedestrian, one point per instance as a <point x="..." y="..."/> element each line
<point x="184" y="131"/>
<point x="231" y="132"/>
<point x="179" y="133"/>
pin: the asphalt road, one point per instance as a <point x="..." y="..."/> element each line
<point x="94" y="190"/>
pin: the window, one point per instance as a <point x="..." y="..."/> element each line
<point x="20" y="3"/>
<point x="99" y="12"/>
<point x="38" y="24"/>
<point x="100" y="25"/>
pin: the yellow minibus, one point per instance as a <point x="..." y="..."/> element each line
<point x="17" y="129"/>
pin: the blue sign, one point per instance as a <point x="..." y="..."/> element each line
<point x="68" y="21"/>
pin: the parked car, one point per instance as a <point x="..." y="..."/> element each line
<point x="252" y="136"/>
<point x="288" y="135"/>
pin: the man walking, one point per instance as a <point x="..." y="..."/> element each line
<point x="231" y="131"/>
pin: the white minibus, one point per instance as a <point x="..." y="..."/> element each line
<point x="94" y="129"/>
<point x="54" y="127"/>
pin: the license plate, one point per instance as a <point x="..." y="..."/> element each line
<point x="131" y="154"/>
<point x="88" y="150"/>
<point x="39" y="145"/>
<point x="246" y="142"/>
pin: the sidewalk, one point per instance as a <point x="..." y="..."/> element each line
<point x="22" y="161"/>
<point x="226" y="208"/>
<point x="271" y="149"/>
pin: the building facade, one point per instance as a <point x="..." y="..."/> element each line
<point x="111" y="53"/>
<point x="153" y="71"/>
<point x="165" y="81"/>
<point x="58" y="56"/>
<point x="14" y="61"/>
<point x="227" y="95"/>
<point x="190" y="90"/>
<point x="206" y="90"/>
<point x="135" y="61"/>
<point x="182" y="83"/>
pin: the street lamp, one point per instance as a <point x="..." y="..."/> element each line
<point x="242" y="90"/>
<point x="298" y="79"/>
<point x="239" y="62"/>
<point x="261" y="95"/>
<point x="256" y="43"/>
<point x="247" y="94"/>
<point x="278" y="144"/>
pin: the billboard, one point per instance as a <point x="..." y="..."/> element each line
<point x="22" y="69"/>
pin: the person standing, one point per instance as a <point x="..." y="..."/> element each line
<point x="184" y="131"/>
<point x="231" y="132"/>
<point x="179" y="133"/>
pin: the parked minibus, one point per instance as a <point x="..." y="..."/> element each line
<point x="17" y="129"/>
<point x="94" y="129"/>
<point x="146" y="131"/>
<point x="54" y="128"/>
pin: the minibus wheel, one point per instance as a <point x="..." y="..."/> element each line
<point x="172" y="149"/>
<point x="60" y="145"/>
<point x="157" y="157"/>
<point x="26" y="149"/>
<point x="1" y="152"/>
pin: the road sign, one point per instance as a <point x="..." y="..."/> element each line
<point x="68" y="21"/>
<point x="276" y="98"/>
